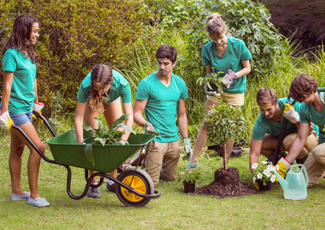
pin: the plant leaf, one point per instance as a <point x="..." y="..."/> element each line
<point x="127" y="128"/>
<point x="89" y="154"/>
<point x="119" y="121"/>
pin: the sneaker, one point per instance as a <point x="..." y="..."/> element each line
<point x="39" y="202"/>
<point x="94" y="192"/>
<point x="20" y="197"/>
<point x="111" y="185"/>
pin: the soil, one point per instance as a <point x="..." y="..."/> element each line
<point x="226" y="183"/>
<point x="306" y="18"/>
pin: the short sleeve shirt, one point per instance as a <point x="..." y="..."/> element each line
<point x="236" y="52"/>
<point x="161" y="105"/>
<point x="119" y="88"/>
<point x="22" y="93"/>
<point x="308" y="113"/>
<point x="264" y="125"/>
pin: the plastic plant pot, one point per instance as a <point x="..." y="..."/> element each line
<point x="264" y="187"/>
<point x="189" y="187"/>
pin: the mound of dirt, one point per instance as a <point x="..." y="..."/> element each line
<point x="226" y="183"/>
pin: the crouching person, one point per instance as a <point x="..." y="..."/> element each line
<point x="161" y="96"/>
<point x="269" y="124"/>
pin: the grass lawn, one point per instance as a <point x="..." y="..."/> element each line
<point x="174" y="209"/>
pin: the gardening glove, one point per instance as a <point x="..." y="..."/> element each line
<point x="211" y="93"/>
<point x="290" y="113"/>
<point x="228" y="79"/>
<point x="37" y="107"/>
<point x="187" y="148"/>
<point x="5" y="121"/>
<point x="150" y="129"/>
<point x="257" y="187"/>
<point x="282" y="167"/>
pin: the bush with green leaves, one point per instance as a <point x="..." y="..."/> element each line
<point x="74" y="36"/>
<point x="224" y="122"/>
<point x="104" y="136"/>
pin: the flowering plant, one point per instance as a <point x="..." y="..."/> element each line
<point x="263" y="172"/>
<point x="191" y="177"/>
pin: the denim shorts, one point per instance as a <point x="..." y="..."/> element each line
<point x="21" y="118"/>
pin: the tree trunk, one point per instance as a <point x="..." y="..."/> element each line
<point x="225" y="163"/>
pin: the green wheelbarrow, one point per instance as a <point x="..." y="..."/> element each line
<point x="134" y="187"/>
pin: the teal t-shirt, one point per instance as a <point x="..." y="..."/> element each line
<point x="22" y="93"/>
<point x="308" y="113"/>
<point x="236" y="52"/>
<point x="264" y="125"/>
<point x="161" y="105"/>
<point x="119" y="88"/>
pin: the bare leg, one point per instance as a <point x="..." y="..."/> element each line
<point x="112" y="112"/>
<point x="33" y="161"/>
<point x="202" y="135"/>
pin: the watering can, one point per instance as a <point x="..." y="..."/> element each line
<point x="295" y="185"/>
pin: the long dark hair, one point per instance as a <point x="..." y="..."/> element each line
<point x="20" y="36"/>
<point x="103" y="74"/>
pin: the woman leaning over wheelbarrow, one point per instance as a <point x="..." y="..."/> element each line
<point x="102" y="89"/>
<point x="230" y="56"/>
<point x="19" y="97"/>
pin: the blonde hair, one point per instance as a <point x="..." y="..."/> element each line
<point x="103" y="74"/>
<point x="266" y="95"/>
<point x="215" y="25"/>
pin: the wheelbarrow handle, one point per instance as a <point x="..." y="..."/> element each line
<point x="45" y="122"/>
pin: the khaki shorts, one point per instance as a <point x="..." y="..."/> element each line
<point x="235" y="99"/>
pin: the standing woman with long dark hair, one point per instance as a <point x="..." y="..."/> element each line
<point x="19" y="98"/>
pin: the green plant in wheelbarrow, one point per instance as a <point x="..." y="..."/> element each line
<point x="224" y="123"/>
<point x="212" y="83"/>
<point x="104" y="136"/>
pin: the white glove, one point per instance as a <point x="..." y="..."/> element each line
<point x="290" y="113"/>
<point x="37" y="107"/>
<point x="150" y="129"/>
<point x="5" y="121"/>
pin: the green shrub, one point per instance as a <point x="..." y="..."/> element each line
<point x="77" y="34"/>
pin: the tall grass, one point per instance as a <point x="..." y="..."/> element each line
<point x="288" y="66"/>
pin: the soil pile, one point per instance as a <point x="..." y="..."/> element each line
<point x="226" y="183"/>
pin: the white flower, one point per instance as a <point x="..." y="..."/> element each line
<point x="268" y="174"/>
<point x="264" y="162"/>
<point x="277" y="167"/>
<point x="259" y="176"/>
<point x="273" y="178"/>
<point x="254" y="166"/>
<point x="265" y="171"/>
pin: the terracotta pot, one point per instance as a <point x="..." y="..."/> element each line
<point x="189" y="187"/>
<point x="264" y="187"/>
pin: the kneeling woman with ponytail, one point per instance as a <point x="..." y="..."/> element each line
<point x="102" y="89"/>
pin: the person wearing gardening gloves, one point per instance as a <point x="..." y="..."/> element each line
<point x="19" y="97"/>
<point x="100" y="90"/>
<point x="304" y="89"/>
<point x="161" y="96"/>
<point x="230" y="56"/>
<point x="269" y="124"/>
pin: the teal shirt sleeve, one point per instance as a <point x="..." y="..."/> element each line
<point x="82" y="94"/>
<point x="142" y="91"/>
<point x="244" y="53"/>
<point x="303" y="114"/>
<point x="8" y="62"/>
<point x="259" y="130"/>
<point x="126" y="94"/>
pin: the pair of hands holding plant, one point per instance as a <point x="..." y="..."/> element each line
<point x="6" y="122"/>
<point x="225" y="82"/>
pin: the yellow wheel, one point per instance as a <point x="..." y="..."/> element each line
<point x="140" y="181"/>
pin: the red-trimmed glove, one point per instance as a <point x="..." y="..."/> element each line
<point x="37" y="107"/>
<point x="290" y="113"/>
<point x="5" y="120"/>
<point x="228" y="79"/>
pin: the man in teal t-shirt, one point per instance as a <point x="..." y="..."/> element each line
<point x="268" y="127"/>
<point x="304" y="88"/>
<point x="161" y="96"/>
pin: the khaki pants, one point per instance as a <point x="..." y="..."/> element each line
<point x="315" y="164"/>
<point x="270" y="142"/>
<point x="162" y="161"/>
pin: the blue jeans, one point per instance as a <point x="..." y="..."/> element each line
<point x="21" y="118"/>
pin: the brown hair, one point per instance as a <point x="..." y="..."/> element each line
<point x="302" y="87"/>
<point x="103" y="74"/>
<point x="167" y="51"/>
<point x="20" y="36"/>
<point x="266" y="95"/>
<point x="215" y="25"/>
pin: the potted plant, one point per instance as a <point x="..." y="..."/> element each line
<point x="263" y="175"/>
<point x="189" y="180"/>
